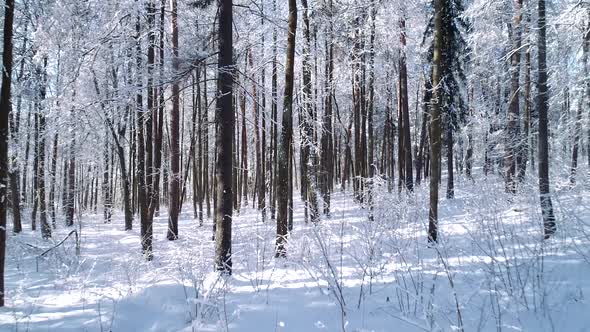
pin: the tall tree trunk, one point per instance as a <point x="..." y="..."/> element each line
<point x="244" y="142"/>
<point x="142" y="189"/>
<point x="543" y="105"/>
<point x="357" y="107"/>
<point x="45" y="227"/>
<point x="274" y="122"/>
<point x="308" y="148"/>
<point x="224" y="117"/>
<point x="284" y="156"/>
<point x="174" y="207"/>
<point x="370" y="110"/>
<point x="526" y="136"/>
<point x="404" y="125"/>
<point x="327" y="165"/>
<point x="5" y="109"/>
<point x="435" y="131"/>
<point x="151" y="114"/>
<point x="35" y="189"/>
<point x="513" y="128"/>
<point x="159" y="116"/>
<point x="205" y="122"/>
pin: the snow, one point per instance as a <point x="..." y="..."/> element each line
<point x="345" y="273"/>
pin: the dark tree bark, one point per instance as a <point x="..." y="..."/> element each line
<point x="284" y="153"/>
<point x="53" y="176"/>
<point x="5" y="109"/>
<point x="71" y="182"/>
<point x="263" y="162"/>
<point x="205" y="123"/>
<point x="405" y="146"/>
<point x="174" y="207"/>
<point x="435" y="115"/>
<point x="543" y="105"/>
<point x="158" y="124"/>
<point x="142" y="167"/>
<point x="45" y="227"/>
<point x="224" y="119"/>
<point x="327" y="139"/>
<point x="357" y="108"/>
<point x="469" y="153"/>
<point x="450" y="156"/>
<point x="35" y="191"/>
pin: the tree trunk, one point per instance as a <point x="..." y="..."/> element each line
<point x="327" y="145"/>
<point x="225" y="131"/>
<point x="284" y="154"/>
<point x="513" y="128"/>
<point x="308" y="149"/>
<point x="543" y="105"/>
<point x="449" y="142"/>
<point x="174" y="207"/>
<point x="5" y="109"/>
<point x="142" y="191"/>
<point x="45" y="227"/>
<point x="435" y="132"/>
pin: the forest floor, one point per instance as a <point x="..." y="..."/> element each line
<point x="491" y="271"/>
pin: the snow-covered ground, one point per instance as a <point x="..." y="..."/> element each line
<point x="491" y="271"/>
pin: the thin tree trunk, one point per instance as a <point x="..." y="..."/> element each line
<point x="327" y="165"/>
<point x="53" y="176"/>
<point x="513" y="128"/>
<point x="435" y="131"/>
<point x="543" y="105"/>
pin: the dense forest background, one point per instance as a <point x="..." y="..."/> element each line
<point x="155" y="115"/>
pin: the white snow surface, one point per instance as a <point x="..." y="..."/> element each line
<point x="491" y="271"/>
